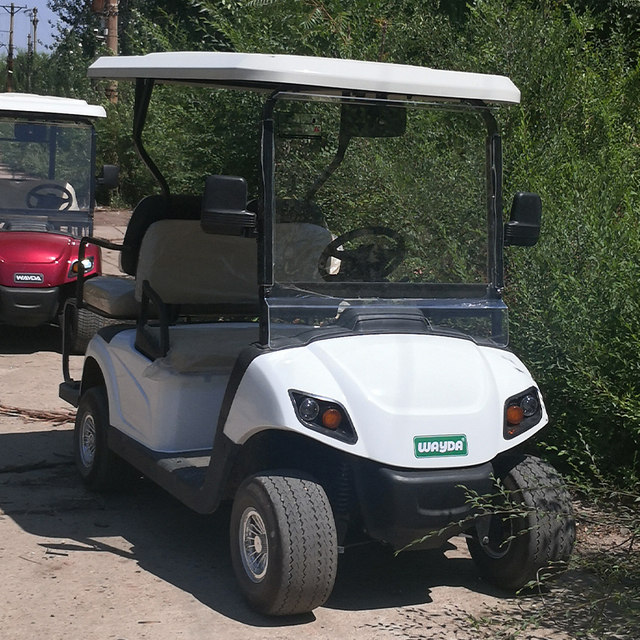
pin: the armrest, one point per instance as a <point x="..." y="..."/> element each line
<point x="145" y="342"/>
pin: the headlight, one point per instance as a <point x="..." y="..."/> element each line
<point x="322" y="415"/>
<point x="309" y="409"/>
<point x="521" y="412"/>
<point x="529" y="405"/>
<point x="87" y="263"/>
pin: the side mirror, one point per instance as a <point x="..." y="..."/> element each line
<point x="523" y="228"/>
<point x="224" y="207"/>
<point x="109" y="176"/>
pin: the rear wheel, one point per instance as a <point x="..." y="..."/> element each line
<point x="100" y="468"/>
<point x="532" y="532"/>
<point x="283" y="544"/>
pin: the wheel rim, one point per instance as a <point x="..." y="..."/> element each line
<point x="501" y="532"/>
<point x="87" y="440"/>
<point x="254" y="544"/>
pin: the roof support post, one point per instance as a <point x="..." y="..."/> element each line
<point x="266" y="224"/>
<point x="144" y="88"/>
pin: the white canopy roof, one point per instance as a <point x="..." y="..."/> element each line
<point x="325" y="75"/>
<point x="48" y="105"/>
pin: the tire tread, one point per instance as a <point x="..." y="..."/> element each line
<point x="307" y="541"/>
<point x="546" y="533"/>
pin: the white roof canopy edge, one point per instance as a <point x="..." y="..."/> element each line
<point x="48" y="106"/>
<point x="331" y="75"/>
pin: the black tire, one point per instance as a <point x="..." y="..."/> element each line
<point x="287" y="524"/>
<point x="100" y="468"/>
<point x="84" y="324"/>
<point x="536" y="541"/>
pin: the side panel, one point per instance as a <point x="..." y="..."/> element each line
<point x="166" y="412"/>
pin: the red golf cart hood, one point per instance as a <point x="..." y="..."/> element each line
<point x="37" y="259"/>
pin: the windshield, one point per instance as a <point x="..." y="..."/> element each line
<point x="46" y="175"/>
<point x="381" y="212"/>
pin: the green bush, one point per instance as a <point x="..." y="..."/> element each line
<point x="574" y="298"/>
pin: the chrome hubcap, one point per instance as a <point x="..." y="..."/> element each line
<point x="254" y="545"/>
<point x="88" y="441"/>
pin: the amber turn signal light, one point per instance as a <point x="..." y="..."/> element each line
<point x="515" y="414"/>
<point x="331" y="418"/>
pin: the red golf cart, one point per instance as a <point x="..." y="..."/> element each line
<point x="47" y="188"/>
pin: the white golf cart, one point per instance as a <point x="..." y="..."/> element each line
<point x="330" y="353"/>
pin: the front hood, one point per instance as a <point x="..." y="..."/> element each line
<point x="396" y="389"/>
<point x="410" y="376"/>
<point x="28" y="247"/>
<point x="45" y="255"/>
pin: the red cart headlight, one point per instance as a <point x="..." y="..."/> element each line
<point x="87" y="263"/>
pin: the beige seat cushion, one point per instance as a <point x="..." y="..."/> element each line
<point x="204" y="348"/>
<point x="112" y="295"/>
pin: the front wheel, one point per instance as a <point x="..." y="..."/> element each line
<point x="283" y="544"/>
<point x="532" y="530"/>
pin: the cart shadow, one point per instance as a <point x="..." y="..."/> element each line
<point x="45" y="497"/>
<point x="26" y="340"/>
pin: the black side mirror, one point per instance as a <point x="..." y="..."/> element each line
<point x="109" y="176"/>
<point x="523" y="228"/>
<point x="224" y="207"/>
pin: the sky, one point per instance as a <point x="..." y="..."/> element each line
<point x="22" y="24"/>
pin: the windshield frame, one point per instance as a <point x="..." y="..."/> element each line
<point x="491" y="293"/>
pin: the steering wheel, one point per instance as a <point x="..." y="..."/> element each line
<point x="368" y="262"/>
<point x="50" y="196"/>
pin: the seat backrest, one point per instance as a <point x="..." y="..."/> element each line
<point x="149" y="210"/>
<point x="185" y="265"/>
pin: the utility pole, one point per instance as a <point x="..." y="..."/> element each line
<point x="108" y="9"/>
<point x="32" y="40"/>
<point x="111" y="15"/>
<point x="12" y="10"/>
<point x="34" y="24"/>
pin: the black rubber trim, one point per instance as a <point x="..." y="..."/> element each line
<point x="400" y="506"/>
<point x="28" y="306"/>
<point x="69" y="391"/>
<point x="224" y="451"/>
<point x="109" y="332"/>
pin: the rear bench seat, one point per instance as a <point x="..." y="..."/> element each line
<point x="198" y="272"/>
<point x="114" y="296"/>
<point x="194" y="273"/>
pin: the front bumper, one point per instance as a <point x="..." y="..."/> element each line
<point x="28" y="307"/>
<point x="400" y="506"/>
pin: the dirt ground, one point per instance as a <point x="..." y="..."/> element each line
<point x="77" y="565"/>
